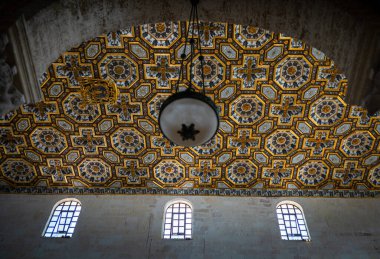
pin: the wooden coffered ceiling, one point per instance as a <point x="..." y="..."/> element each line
<point x="285" y="128"/>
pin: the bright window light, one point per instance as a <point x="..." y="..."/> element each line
<point x="63" y="219"/>
<point x="178" y="221"/>
<point x="292" y="222"/>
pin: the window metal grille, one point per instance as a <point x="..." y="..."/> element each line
<point x="292" y="223"/>
<point x="178" y="221"/>
<point x="63" y="220"/>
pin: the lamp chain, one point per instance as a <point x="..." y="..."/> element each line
<point x="194" y="25"/>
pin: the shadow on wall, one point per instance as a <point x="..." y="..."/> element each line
<point x="372" y="99"/>
<point x="10" y="97"/>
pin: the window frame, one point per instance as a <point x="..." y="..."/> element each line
<point x="299" y="207"/>
<point x="166" y="207"/>
<point x="60" y="202"/>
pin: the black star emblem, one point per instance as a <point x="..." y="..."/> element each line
<point x="188" y="132"/>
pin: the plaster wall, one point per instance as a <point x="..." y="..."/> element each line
<point x="224" y="227"/>
<point x="323" y="24"/>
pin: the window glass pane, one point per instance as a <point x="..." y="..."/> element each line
<point x="291" y="222"/>
<point x="63" y="219"/>
<point x="178" y="221"/>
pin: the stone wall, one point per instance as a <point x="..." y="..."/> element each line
<point x="224" y="227"/>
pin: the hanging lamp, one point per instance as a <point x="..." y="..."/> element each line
<point x="189" y="118"/>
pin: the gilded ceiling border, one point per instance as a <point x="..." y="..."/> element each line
<point x="191" y="192"/>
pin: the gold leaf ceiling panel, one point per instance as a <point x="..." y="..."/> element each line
<point x="285" y="128"/>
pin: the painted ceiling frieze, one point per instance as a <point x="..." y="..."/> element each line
<point x="285" y="129"/>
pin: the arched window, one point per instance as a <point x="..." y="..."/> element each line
<point x="178" y="220"/>
<point x="292" y="221"/>
<point x="63" y="219"/>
